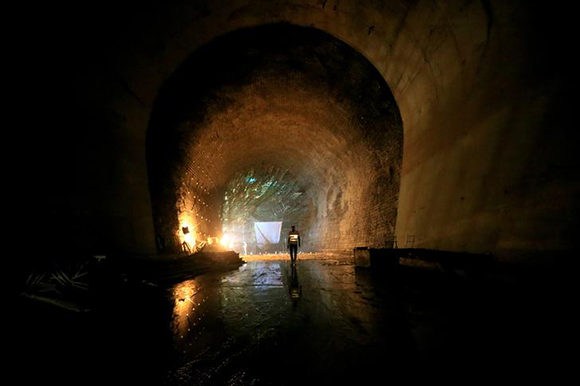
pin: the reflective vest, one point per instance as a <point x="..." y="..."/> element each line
<point x="293" y="237"/>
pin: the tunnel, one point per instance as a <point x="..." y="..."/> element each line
<point x="424" y="150"/>
<point x="464" y="85"/>
<point x="288" y="105"/>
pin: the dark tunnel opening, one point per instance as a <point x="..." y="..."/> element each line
<point x="285" y="98"/>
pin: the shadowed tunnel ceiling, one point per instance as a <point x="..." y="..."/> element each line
<point x="290" y="97"/>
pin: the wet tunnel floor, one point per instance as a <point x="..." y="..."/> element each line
<point x="265" y="323"/>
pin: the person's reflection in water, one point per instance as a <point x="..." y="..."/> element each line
<point x="295" y="287"/>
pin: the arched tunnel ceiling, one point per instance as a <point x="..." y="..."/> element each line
<point x="297" y="98"/>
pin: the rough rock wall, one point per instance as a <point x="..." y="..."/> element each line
<point x="298" y="99"/>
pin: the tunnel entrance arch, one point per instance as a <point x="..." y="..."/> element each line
<point x="294" y="98"/>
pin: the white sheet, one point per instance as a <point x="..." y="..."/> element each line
<point x="268" y="232"/>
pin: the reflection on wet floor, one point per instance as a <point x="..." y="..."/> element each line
<point x="184" y="312"/>
<point x="262" y="325"/>
<point x="295" y="287"/>
<point x="268" y="323"/>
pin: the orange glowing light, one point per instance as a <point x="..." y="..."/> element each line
<point x="189" y="236"/>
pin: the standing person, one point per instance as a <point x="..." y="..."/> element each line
<point x="293" y="244"/>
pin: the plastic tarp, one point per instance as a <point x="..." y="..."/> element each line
<point x="268" y="232"/>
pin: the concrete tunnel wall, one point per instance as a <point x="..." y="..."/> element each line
<point x="487" y="160"/>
